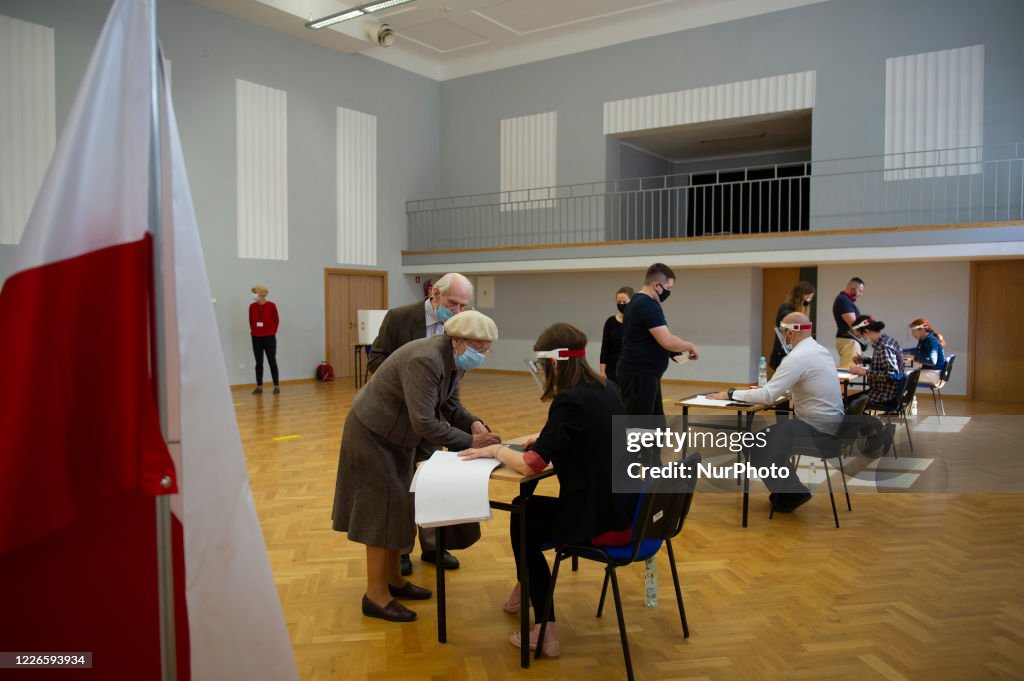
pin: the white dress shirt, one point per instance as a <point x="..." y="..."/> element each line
<point x="809" y="374"/>
<point x="435" y="327"/>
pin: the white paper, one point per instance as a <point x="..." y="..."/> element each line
<point x="450" y="490"/>
<point x="704" y="401"/>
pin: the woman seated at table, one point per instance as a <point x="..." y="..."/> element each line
<point x="885" y="377"/>
<point x="929" y="354"/>
<point x="577" y="440"/>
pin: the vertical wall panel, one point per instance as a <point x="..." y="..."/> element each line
<point x="262" y="157"/>
<point x="528" y="161"/>
<point x="934" y="101"/>
<point x="790" y="92"/>
<point x="357" y="187"/>
<point x="28" y="128"/>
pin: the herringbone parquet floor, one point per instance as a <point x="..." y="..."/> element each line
<point x="912" y="586"/>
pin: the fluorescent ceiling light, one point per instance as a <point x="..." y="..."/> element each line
<point x="347" y="14"/>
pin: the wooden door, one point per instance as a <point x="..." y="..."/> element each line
<point x="776" y="283"/>
<point x="995" y="359"/>
<point x="346" y="292"/>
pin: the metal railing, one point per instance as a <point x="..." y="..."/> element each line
<point x="965" y="185"/>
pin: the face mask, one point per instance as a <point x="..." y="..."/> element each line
<point x="468" y="360"/>
<point x="807" y="301"/>
<point x="255" y="296"/>
<point x="664" y="294"/>
<point x="444" y="314"/>
<point x="621" y="306"/>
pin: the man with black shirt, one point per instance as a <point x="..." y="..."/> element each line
<point x="647" y="344"/>
<point x="845" y="311"/>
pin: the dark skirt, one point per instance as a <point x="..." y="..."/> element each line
<point x="372" y="501"/>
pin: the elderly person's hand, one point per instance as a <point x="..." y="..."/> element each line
<point x="485" y="439"/>
<point x="490" y="452"/>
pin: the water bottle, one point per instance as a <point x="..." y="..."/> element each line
<point x="650" y="583"/>
<point x="762" y="372"/>
<point x="913" y="406"/>
<point x="812" y="482"/>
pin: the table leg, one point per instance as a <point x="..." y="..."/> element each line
<point x="442" y="615"/>
<point x="746" y="478"/>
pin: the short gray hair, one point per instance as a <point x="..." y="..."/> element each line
<point x="445" y="282"/>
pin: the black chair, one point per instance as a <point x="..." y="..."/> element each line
<point x="659" y="517"/>
<point x="836" y="448"/>
<point x="943" y="380"/>
<point x="900" y="406"/>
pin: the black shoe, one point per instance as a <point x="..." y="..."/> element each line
<point x="405" y="565"/>
<point x="450" y="561"/>
<point x="258" y="390"/>
<point x="277" y="390"/>
<point x="787" y="503"/>
<point x="392" y="612"/>
<point x="410" y="591"/>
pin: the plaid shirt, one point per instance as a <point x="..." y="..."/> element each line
<point x="885" y="377"/>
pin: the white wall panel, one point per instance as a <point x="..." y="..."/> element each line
<point x="789" y="92"/>
<point x="528" y="161"/>
<point x="934" y="101"/>
<point x="28" y="129"/>
<point x="357" y="187"/>
<point x="262" y="153"/>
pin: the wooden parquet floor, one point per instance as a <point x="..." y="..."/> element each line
<point x="912" y="586"/>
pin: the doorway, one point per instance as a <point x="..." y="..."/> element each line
<point x="776" y="283"/>
<point x="995" y="362"/>
<point x="345" y="293"/>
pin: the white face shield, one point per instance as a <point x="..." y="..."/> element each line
<point x="780" y="332"/>
<point x="538" y="366"/>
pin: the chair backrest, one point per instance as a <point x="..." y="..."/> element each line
<point x="944" y="376"/>
<point x="663" y="506"/>
<point x="909" y="389"/>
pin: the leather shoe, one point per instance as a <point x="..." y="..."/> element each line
<point x="392" y="612"/>
<point x="450" y="561"/>
<point x="410" y="591"/>
<point x="405" y="565"/>
<point x="787" y="503"/>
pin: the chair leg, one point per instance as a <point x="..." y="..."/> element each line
<point x="907" y="426"/>
<point x="941" y="405"/>
<point x="679" y="592"/>
<point x="831" y="496"/>
<point x="895" y="451"/>
<point x="622" y="622"/>
<point x="604" y="592"/>
<point x="935" y="405"/>
<point x="845" y="489"/>
<point x="575" y="563"/>
<point x="547" y="607"/>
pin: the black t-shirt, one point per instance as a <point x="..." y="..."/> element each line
<point x="641" y="353"/>
<point x="841" y="306"/>
<point x="611" y="345"/>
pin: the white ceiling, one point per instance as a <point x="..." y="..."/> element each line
<point x="444" y="39"/>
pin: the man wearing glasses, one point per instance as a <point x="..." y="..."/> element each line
<point x="451" y="295"/>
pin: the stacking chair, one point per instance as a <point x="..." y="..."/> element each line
<point x="900" y="406"/>
<point x="659" y="517"/>
<point x="836" y="448"/>
<point x="937" y="388"/>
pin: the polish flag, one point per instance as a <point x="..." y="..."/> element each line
<point x="82" y="456"/>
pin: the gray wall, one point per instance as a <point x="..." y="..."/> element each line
<point x="208" y="51"/>
<point x="846" y="42"/>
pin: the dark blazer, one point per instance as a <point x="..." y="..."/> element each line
<point x="415" y="397"/>
<point x="400" y="325"/>
<point x="577" y="439"/>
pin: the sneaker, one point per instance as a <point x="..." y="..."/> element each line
<point x="277" y="390"/>
<point x="258" y="390"/>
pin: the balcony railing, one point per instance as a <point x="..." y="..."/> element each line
<point x="966" y="185"/>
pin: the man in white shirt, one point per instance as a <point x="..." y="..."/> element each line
<point x="808" y="373"/>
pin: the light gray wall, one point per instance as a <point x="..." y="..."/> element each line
<point x="900" y="293"/>
<point x="845" y="41"/>
<point x="208" y="51"/>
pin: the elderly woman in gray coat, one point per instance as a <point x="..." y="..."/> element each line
<point x="412" y="397"/>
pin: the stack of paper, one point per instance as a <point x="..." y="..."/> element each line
<point x="450" y="490"/>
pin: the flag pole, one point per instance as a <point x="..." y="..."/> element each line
<point x="164" y="545"/>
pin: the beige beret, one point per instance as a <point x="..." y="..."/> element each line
<point x="260" y="289"/>
<point x="473" y="325"/>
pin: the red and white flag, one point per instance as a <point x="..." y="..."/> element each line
<point x="81" y="453"/>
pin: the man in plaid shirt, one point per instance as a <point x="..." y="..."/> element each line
<point x="885" y="375"/>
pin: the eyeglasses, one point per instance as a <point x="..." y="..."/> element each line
<point x="482" y="350"/>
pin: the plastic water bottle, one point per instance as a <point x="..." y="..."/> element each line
<point x="913" y="406"/>
<point x="650" y="583"/>
<point x="762" y="372"/>
<point x="812" y="483"/>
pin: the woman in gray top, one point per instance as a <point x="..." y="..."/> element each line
<point x="412" y="397"/>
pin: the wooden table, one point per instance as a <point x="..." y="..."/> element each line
<point x="527" y="485"/>
<point x="744" y="419"/>
<point x="359" y="363"/>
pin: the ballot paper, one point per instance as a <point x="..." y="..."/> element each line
<point x="450" y="490"/>
<point x="704" y="401"/>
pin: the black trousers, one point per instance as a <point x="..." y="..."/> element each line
<point x="268" y="345"/>
<point x="780" y="441"/>
<point x="641" y="393"/>
<point x="539" y="513"/>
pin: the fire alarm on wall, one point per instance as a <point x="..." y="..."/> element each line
<point x="417" y="278"/>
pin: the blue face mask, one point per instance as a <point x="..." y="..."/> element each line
<point x="444" y="314"/>
<point x="468" y="360"/>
